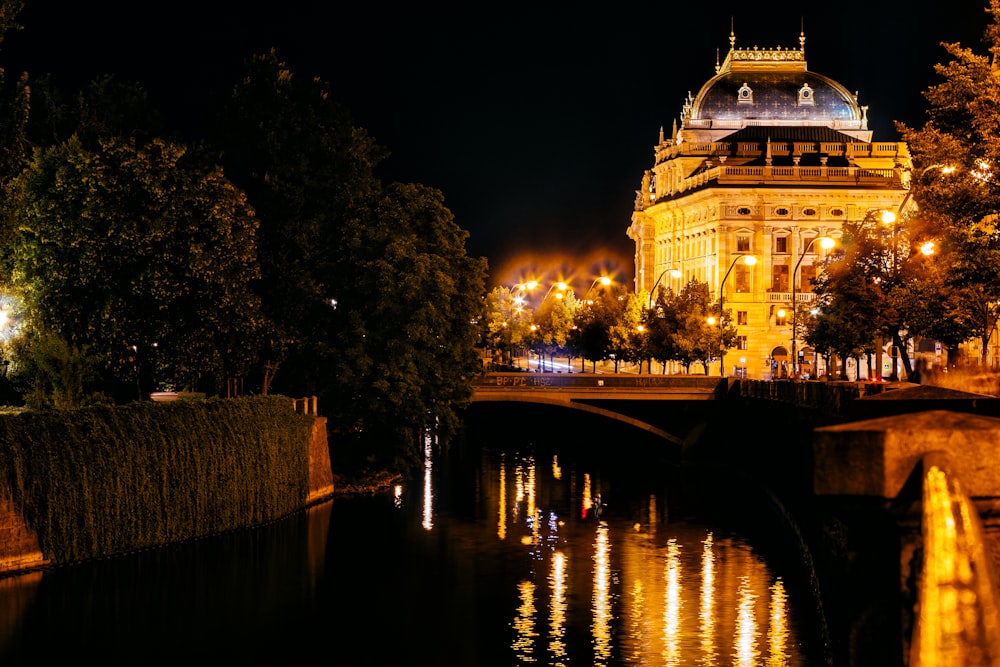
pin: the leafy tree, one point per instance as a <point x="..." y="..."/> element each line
<point x="407" y="295"/>
<point x="696" y="339"/>
<point x="370" y="284"/>
<point x="309" y="174"/>
<point x="505" y="322"/>
<point x="591" y="336"/>
<point x="956" y="188"/>
<point x="142" y="254"/>
<point x="553" y="321"/>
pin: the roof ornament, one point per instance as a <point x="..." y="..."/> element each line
<point x="732" y="34"/>
<point x="717" y="65"/>
<point x="802" y="36"/>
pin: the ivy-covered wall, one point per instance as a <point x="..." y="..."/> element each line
<point x="100" y="481"/>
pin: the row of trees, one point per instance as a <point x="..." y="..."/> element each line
<point x="616" y="325"/>
<point x="264" y="251"/>
<point x="933" y="272"/>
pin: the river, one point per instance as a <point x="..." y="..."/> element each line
<point x="526" y="543"/>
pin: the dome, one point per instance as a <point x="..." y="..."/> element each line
<point x="773" y="88"/>
<point x="774" y="96"/>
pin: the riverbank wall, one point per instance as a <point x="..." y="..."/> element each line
<point x="95" y="482"/>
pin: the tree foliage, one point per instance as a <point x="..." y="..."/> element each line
<point x="956" y="189"/>
<point x="142" y="253"/>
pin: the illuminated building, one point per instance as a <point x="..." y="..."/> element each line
<point x="768" y="157"/>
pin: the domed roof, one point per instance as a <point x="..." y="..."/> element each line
<point x="774" y="95"/>
<point x="770" y="87"/>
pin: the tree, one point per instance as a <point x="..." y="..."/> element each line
<point x="956" y="188"/>
<point x="309" y="174"/>
<point x="407" y="296"/>
<point x="143" y="254"/>
<point x="505" y="322"/>
<point x="370" y="284"/>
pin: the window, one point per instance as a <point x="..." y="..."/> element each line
<point x="779" y="278"/>
<point x="781" y="210"/>
<point x="781" y="244"/>
<point x="806" y="95"/>
<point x="745" y="95"/>
<point x="742" y="244"/>
<point x="741" y="318"/>
<point x="836" y="212"/>
<point x="743" y="210"/>
<point x="741" y="342"/>
<point x="806" y="274"/>
<point x="808" y="211"/>
<point x="741" y="278"/>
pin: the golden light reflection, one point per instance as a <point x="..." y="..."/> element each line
<point x="672" y="603"/>
<point x="524" y="623"/>
<point x="518" y="490"/>
<point x="428" y="521"/>
<point x="637" y="627"/>
<point x="530" y="490"/>
<point x="958" y="599"/>
<point x="745" y="651"/>
<point x="587" y="500"/>
<point x="706" y="612"/>
<point x="777" y="634"/>
<point x="601" y="602"/>
<point x="556" y="470"/>
<point x="557" y="608"/>
<point x="502" y="502"/>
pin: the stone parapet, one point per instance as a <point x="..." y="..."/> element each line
<point x="875" y="457"/>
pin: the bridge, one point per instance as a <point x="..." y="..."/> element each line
<point x="642" y="401"/>
<point x="911" y="463"/>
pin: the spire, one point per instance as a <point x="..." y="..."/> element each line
<point x="673" y="134"/>
<point x="717" y="61"/>
<point x="802" y="37"/>
<point x="732" y="34"/>
<point x="661" y="134"/>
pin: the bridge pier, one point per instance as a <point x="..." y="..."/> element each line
<point x="934" y="475"/>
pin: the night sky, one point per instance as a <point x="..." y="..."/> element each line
<point x="535" y="122"/>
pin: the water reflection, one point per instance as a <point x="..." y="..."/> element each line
<point x="660" y="592"/>
<point x="487" y="557"/>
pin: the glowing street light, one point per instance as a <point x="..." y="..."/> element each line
<point x="603" y="280"/>
<point x="674" y="273"/>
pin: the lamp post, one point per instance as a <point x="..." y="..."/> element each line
<point x="826" y="243"/>
<point x="604" y="280"/>
<point x="674" y="273"/>
<point x="749" y="260"/>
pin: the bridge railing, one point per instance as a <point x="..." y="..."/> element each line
<point x="958" y="612"/>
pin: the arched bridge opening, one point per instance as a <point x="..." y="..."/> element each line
<point x="672" y="409"/>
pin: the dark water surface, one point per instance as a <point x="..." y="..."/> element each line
<point x="538" y="546"/>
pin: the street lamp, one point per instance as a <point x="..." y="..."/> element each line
<point x="749" y="260"/>
<point x="674" y="273"/>
<point x="604" y="280"/>
<point x="826" y="243"/>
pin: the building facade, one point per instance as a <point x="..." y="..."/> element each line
<point x="768" y="157"/>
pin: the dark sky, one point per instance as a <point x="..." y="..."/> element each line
<point x="535" y="122"/>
